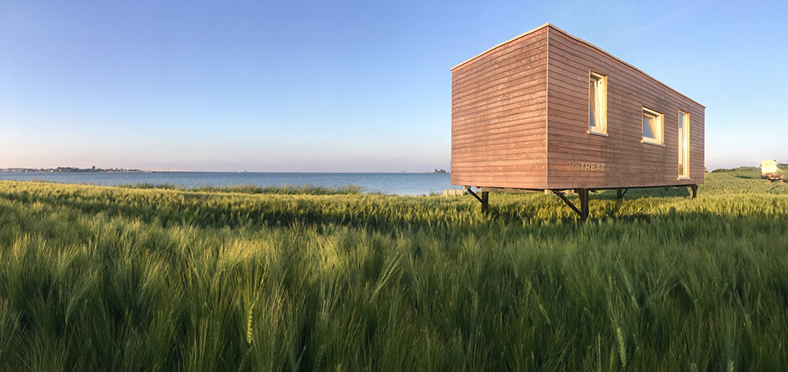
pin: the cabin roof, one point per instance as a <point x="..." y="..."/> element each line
<point x="553" y="27"/>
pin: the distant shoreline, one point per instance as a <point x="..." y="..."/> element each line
<point x="72" y="170"/>
<point x="122" y="170"/>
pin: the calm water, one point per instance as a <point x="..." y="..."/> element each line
<point x="387" y="183"/>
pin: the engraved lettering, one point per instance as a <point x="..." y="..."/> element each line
<point x="586" y="166"/>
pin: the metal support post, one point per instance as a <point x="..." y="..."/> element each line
<point x="583" y="210"/>
<point x="583" y="203"/>
<point x="568" y="203"/>
<point x="484" y="199"/>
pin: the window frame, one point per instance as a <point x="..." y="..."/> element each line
<point x="684" y="126"/>
<point x="599" y="104"/>
<point x="659" y="139"/>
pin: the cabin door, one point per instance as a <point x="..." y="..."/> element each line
<point x="684" y="144"/>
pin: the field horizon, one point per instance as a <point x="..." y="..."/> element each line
<point x="782" y="166"/>
<point x="158" y="279"/>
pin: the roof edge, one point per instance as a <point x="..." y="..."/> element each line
<point x="502" y="44"/>
<point x="575" y="38"/>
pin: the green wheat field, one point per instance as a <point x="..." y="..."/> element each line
<point x="309" y="279"/>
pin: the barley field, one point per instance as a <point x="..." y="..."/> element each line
<point x="246" y="279"/>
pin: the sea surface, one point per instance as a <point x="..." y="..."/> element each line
<point x="386" y="183"/>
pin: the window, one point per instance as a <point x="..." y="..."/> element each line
<point x="597" y="104"/>
<point x="684" y="124"/>
<point x="652" y="127"/>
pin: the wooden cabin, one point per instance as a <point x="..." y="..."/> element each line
<point x="547" y="111"/>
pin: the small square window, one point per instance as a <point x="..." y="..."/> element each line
<point x="597" y="104"/>
<point x="652" y="127"/>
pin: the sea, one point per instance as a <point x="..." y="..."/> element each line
<point x="385" y="183"/>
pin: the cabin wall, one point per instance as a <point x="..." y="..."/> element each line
<point x="620" y="159"/>
<point x="499" y="113"/>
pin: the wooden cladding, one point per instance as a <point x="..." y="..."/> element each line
<point x="499" y="108"/>
<point x="520" y="119"/>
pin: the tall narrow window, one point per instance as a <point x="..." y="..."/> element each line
<point x="597" y="104"/>
<point x="652" y="127"/>
<point x="684" y="144"/>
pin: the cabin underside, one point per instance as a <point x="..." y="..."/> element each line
<point x="582" y="210"/>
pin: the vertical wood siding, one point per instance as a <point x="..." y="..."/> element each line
<point x="498" y="116"/>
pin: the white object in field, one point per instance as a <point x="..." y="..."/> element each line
<point x="768" y="166"/>
<point x="453" y="192"/>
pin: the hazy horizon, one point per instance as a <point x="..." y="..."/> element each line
<point x="216" y="171"/>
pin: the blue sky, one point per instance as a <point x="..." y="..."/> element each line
<point x="335" y="86"/>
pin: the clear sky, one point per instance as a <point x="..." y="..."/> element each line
<point x="338" y="86"/>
